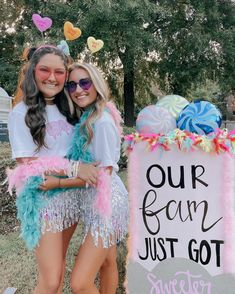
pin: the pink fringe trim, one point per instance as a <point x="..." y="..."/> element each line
<point x="116" y="116"/>
<point x="133" y="184"/>
<point x="19" y="175"/>
<point x="227" y="195"/>
<point x="102" y="201"/>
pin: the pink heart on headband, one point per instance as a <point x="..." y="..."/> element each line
<point x="42" y="23"/>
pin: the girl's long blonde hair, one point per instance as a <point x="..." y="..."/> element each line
<point x="101" y="99"/>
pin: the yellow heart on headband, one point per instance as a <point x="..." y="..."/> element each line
<point x="94" y="45"/>
<point x="71" y="32"/>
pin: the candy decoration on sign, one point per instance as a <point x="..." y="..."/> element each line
<point x="221" y="141"/>
<point x="154" y="119"/>
<point x="42" y="23"/>
<point x="63" y="46"/>
<point x="200" y="117"/>
<point x="71" y="32"/>
<point x="94" y="45"/>
<point x="173" y="103"/>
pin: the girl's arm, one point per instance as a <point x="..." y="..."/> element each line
<point x="86" y="172"/>
<point x="51" y="182"/>
<point x="23" y="160"/>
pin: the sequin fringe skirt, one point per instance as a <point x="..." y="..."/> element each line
<point x="112" y="230"/>
<point x="61" y="212"/>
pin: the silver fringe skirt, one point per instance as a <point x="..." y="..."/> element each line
<point x="111" y="230"/>
<point x="61" y="212"/>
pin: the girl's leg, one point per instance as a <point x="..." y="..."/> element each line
<point x="50" y="255"/>
<point x="50" y="263"/>
<point x="109" y="272"/>
<point x="87" y="265"/>
<point x="67" y="235"/>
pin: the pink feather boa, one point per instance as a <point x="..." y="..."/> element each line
<point x="102" y="202"/>
<point x="133" y="183"/>
<point x="19" y="175"/>
<point x="116" y="116"/>
<point x="227" y="203"/>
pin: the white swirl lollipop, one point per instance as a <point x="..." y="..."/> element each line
<point x="173" y="103"/>
<point x="154" y="119"/>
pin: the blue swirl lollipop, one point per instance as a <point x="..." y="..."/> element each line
<point x="200" y="117"/>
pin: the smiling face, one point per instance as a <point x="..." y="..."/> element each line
<point x="82" y="97"/>
<point x="50" y="75"/>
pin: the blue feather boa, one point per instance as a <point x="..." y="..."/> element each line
<point x="31" y="200"/>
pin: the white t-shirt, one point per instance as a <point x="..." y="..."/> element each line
<point x="58" y="133"/>
<point x="105" y="145"/>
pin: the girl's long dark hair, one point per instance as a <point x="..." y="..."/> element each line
<point x="33" y="98"/>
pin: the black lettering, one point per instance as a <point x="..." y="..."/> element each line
<point x="190" y="251"/>
<point x="205" y="244"/>
<point x="161" y="243"/>
<point x="147" y="250"/>
<point x="181" y="181"/>
<point x="205" y="211"/>
<point x="172" y="240"/>
<point x="162" y="174"/>
<point x="146" y="212"/>
<point x="196" y="177"/>
<point x="217" y="250"/>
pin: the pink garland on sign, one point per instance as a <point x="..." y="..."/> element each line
<point x="227" y="203"/>
<point x="218" y="142"/>
<point x="19" y="175"/>
<point x="102" y="202"/>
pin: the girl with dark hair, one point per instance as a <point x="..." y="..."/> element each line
<point x="41" y="125"/>
<point x="27" y="54"/>
<point x="104" y="209"/>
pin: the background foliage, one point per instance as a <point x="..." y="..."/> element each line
<point x="174" y="45"/>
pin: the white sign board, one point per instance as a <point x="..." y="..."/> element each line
<point x="181" y="223"/>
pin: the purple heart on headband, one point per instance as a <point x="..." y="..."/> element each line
<point x="42" y="23"/>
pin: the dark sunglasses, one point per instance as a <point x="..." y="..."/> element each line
<point x="85" y="84"/>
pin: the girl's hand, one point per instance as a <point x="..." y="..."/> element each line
<point x="89" y="173"/>
<point x="50" y="183"/>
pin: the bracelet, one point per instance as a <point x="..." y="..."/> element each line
<point x="73" y="169"/>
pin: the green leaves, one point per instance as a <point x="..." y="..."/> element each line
<point x="167" y="44"/>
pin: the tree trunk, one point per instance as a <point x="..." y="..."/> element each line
<point x="128" y="68"/>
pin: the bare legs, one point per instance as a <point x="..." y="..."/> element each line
<point x="50" y="255"/>
<point x="89" y="261"/>
<point x="67" y="235"/>
<point x="109" y="272"/>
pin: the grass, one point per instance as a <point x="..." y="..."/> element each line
<point x="17" y="264"/>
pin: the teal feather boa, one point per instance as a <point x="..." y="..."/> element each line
<point x="78" y="150"/>
<point x="31" y="200"/>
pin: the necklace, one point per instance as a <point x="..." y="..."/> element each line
<point x="49" y="98"/>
